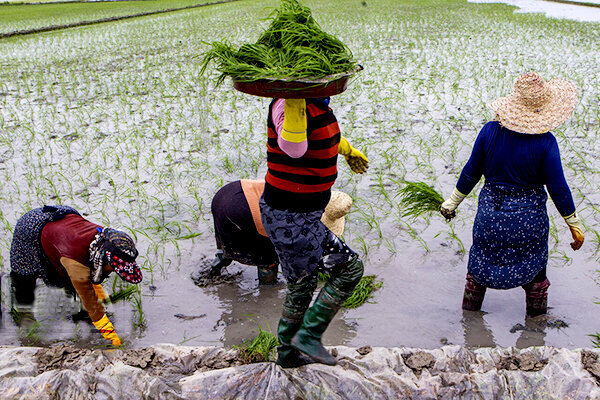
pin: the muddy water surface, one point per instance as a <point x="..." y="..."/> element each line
<point x="116" y="121"/>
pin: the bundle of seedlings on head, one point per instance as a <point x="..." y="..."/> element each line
<point x="260" y="349"/>
<point x="418" y="198"/>
<point x="293" y="47"/>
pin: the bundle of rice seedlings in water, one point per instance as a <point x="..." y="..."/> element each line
<point x="361" y="293"/>
<point x="293" y="47"/>
<point x="260" y="349"/>
<point x="418" y="198"/>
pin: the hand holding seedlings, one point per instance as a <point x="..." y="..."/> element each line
<point x="448" y="207"/>
<point x="357" y="161"/>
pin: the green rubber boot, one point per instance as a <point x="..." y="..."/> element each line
<point x="297" y="299"/>
<point x="338" y="288"/>
<point x="287" y="356"/>
<point x="316" y="320"/>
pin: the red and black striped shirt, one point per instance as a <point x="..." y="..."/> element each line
<point x="304" y="184"/>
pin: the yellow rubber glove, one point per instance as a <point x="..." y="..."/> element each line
<point x="576" y="231"/>
<point x="357" y="161"/>
<point x="294" y="120"/>
<point x="99" y="292"/>
<point x="107" y="330"/>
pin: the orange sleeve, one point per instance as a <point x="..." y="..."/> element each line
<point x="253" y="189"/>
<point x="80" y="278"/>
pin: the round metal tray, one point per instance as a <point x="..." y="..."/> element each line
<point x="297" y="89"/>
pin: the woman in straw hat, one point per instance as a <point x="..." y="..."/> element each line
<point x="241" y="237"/>
<point x="518" y="155"/>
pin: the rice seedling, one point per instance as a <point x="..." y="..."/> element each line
<point x="361" y="293"/>
<point x="293" y="46"/>
<point x="595" y="339"/>
<point x="122" y="294"/>
<point x="418" y="198"/>
<point x="261" y="348"/>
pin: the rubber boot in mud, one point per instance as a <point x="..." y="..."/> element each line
<point x="267" y="274"/>
<point x="474" y="294"/>
<point x="22" y="298"/>
<point x="219" y="262"/>
<point x="315" y="322"/>
<point x="536" y="297"/>
<point x="287" y="356"/>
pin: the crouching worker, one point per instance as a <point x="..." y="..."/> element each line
<point x="239" y="232"/>
<point x="58" y="245"/>
<point x="303" y="143"/>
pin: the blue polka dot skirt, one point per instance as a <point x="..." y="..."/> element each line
<point x="510" y="236"/>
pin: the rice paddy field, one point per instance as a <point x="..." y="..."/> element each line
<point x="115" y="120"/>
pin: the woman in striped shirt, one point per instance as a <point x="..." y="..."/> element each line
<point x="303" y="143"/>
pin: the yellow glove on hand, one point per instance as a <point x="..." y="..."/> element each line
<point x="576" y="231"/>
<point x="294" y="120"/>
<point x="449" y="206"/>
<point x="357" y="161"/>
<point x="99" y="292"/>
<point x="107" y="330"/>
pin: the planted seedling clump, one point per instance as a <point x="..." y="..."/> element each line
<point x="259" y="349"/>
<point x="293" y="47"/>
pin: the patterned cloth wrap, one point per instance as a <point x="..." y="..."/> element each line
<point x="302" y="243"/>
<point x="510" y="236"/>
<point x="26" y="254"/>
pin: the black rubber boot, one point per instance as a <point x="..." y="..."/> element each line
<point x="536" y="297"/>
<point x="219" y="262"/>
<point x="267" y="274"/>
<point x="22" y="297"/>
<point x="474" y="295"/>
<point x="287" y="356"/>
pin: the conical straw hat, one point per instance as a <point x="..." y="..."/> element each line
<point x="536" y="106"/>
<point x="334" y="216"/>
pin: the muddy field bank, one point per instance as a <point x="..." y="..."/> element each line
<point x="167" y="371"/>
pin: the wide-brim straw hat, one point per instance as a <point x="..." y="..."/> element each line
<point x="536" y="106"/>
<point x="334" y="216"/>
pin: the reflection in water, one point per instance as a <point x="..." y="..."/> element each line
<point x="247" y="305"/>
<point x="478" y="334"/>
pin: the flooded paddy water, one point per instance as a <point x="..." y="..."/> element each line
<point x="116" y="121"/>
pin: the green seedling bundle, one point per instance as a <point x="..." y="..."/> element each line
<point x="361" y="293"/>
<point x="418" y="198"/>
<point x="294" y="46"/>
